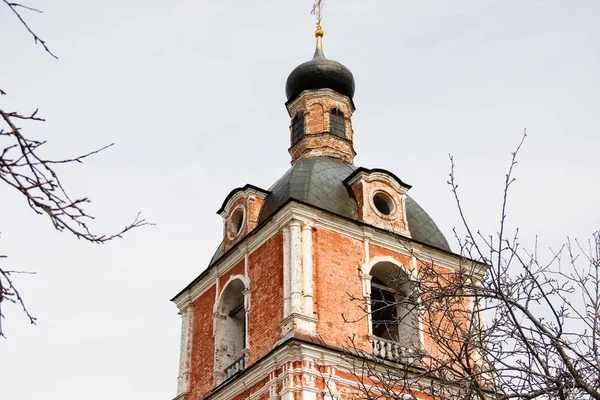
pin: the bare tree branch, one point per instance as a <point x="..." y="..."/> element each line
<point x="524" y="329"/>
<point x="23" y="168"/>
<point x="14" y="7"/>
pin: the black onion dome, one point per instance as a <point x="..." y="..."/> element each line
<point x="320" y="73"/>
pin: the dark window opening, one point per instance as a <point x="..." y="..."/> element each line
<point x="230" y="331"/>
<point x="383" y="311"/>
<point x="383" y="203"/>
<point x="338" y="125"/>
<point x="235" y="223"/>
<point x="297" y="127"/>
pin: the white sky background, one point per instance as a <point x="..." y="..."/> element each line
<point x="192" y="93"/>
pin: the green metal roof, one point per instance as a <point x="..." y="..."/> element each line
<point x="319" y="181"/>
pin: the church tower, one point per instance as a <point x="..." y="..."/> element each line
<point x="303" y="265"/>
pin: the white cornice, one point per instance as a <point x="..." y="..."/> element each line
<point x="378" y="176"/>
<point x="323" y="219"/>
<point x="300" y="351"/>
<point x="241" y="193"/>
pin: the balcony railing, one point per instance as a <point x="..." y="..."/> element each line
<point x="393" y="351"/>
<point x="237" y="366"/>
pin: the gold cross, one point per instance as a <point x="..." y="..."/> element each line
<point x="317" y="10"/>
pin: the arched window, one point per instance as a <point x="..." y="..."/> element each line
<point x="383" y="310"/>
<point x="297" y="127"/>
<point x="230" y="330"/>
<point x="394" y="306"/>
<point x="338" y="125"/>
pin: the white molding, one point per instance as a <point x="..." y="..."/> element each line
<point x="283" y="358"/>
<point x="286" y="271"/>
<point x="322" y="219"/>
<point x="307" y="270"/>
<point x="185" y="353"/>
<point x="378" y="176"/>
<point x="298" y="322"/>
<point x="232" y="278"/>
<point x="366" y="269"/>
<point x="248" y="194"/>
<point x="296" y="306"/>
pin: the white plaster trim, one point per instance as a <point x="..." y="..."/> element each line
<point x="379" y="259"/>
<point x="286" y="271"/>
<point x="366" y="287"/>
<point x="307" y="270"/>
<point x="246" y="294"/>
<point x="283" y="358"/>
<point x="298" y="322"/>
<point x="296" y="268"/>
<point x="249" y="194"/>
<point x="378" y="176"/>
<point x="367" y="250"/>
<point x="415" y="266"/>
<point x="232" y="200"/>
<point x="187" y="321"/>
<point x="325" y="220"/>
<point x="232" y="278"/>
<point x="217" y="289"/>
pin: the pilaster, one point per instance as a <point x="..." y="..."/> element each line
<point x="307" y="267"/>
<point x="298" y="279"/>
<point x="295" y="268"/>
<point x="183" y="378"/>
<point x="286" y="271"/>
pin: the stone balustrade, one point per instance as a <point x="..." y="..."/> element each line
<point x="393" y="351"/>
<point x="237" y="366"/>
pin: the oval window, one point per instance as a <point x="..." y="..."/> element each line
<point x="235" y="222"/>
<point x="383" y="203"/>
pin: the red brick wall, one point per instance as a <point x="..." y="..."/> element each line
<point x="265" y="268"/>
<point x="323" y="144"/>
<point x="202" y="362"/>
<point x="337" y="260"/>
<point x="238" y="269"/>
<point x="266" y="297"/>
<point x="315" y="120"/>
<point x="253" y="212"/>
<point x="376" y="251"/>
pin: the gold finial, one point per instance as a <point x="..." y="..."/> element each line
<point x="316" y="10"/>
<point x="319" y="35"/>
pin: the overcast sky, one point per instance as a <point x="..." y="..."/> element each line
<point x="192" y="93"/>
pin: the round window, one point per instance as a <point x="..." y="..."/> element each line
<point x="235" y="222"/>
<point x="383" y="203"/>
